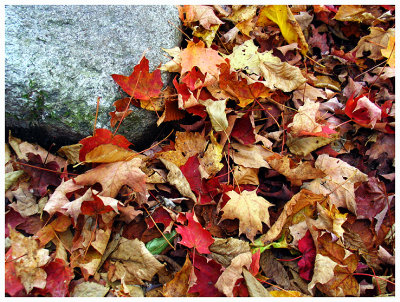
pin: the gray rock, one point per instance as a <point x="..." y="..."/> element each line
<point x="58" y="60"/>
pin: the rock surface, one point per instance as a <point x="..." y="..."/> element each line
<point x="58" y="60"/>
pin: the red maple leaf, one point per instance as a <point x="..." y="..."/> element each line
<point x="101" y="137"/>
<point x="192" y="78"/>
<point x="160" y="215"/>
<point x="120" y="107"/>
<point x="207" y="272"/>
<point x="194" y="235"/>
<point x="94" y="207"/>
<point x="59" y="275"/>
<point x="41" y="179"/>
<point x="243" y="130"/>
<point x="306" y="263"/>
<point x="141" y="84"/>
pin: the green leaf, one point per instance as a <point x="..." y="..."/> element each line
<point x="157" y="245"/>
<point x="11" y="178"/>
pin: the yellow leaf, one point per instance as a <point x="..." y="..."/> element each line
<point x="285" y="293"/>
<point x="206" y="35"/>
<point x="330" y="219"/>
<point x="291" y="30"/>
<point x="71" y="152"/>
<point x="353" y="13"/>
<point x="211" y="161"/>
<point x="108" y="153"/>
<point x="276" y="74"/>
<point x="250" y="209"/>
<point x="389" y="52"/>
<point x="245" y="176"/>
<point x="216" y="112"/>
<point x="302" y="146"/>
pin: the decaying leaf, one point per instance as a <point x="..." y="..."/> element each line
<point x="224" y="250"/>
<point x="90" y="289"/>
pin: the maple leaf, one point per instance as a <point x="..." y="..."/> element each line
<point x="250" y="209"/>
<point x="12" y="284"/>
<point x="207" y="273"/>
<point x="216" y="112"/>
<point x="363" y="111"/>
<point x="94" y="207"/>
<point x="334" y="268"/>
<point x="305" y="118"/>
<point x="377" y="40"/>
<point x="164" y="216"/>
<point x="59" y="275"/>
<point x="206" y="59"/>
<point x="47" y="233"/>
<point x="41" y="179"/>
<point x="178" y="286"/>
<point x="244" y="130"/>
<point x="120" y="107"/>
<point x="250" y="156"/>
<point x="194" y="235"/>
<point x="28" y="259"/>
<point x="232" y="273"/>
<point x="101" y="137"/>
<point x="276" y="74"/>
<point x="224" y="250"/>
<point x="202" y="13"/>
<point x="306" y="263"/>
<point x="141" y="84"/>
<point x="355" y="13"/>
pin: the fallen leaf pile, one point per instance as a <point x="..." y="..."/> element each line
<point x="277" y="181"/>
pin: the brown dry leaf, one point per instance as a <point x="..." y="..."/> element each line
<point x="28" y="259"/>
<point x="338" y="182"/>
<point x="250" y="209"/>
<point x="353" y="13"/>
<point x="134" y="262"/>
<point x="331" y="220"/>
<point x="90" y="289"/>
<point x="305" y="118"/>
<point x="187" y="144"/>
<point x="249" y="156"/>
<point x="302" y="146"/>
<point x="242" y="13"/>
<point x="327" y="82"/>
<point x="245" y="176"/>
<point x="273" y="269"/>
<point x="307" y="91"/>
<point x="377" y="40"/>
<point x="179" y="286"/>
<point x="224" y="250"/>
<point x="256" y="289"/>
<point x="108" y="153"/>
<point x="23" y="148"/>
<point x="26" y="203"/>
<point x="294" y="205"/>
<point x="323" y="271"/>
<point x="176" y="178"/>
<point x="113" y="176"/>
<point x="294" y="173"/>
<point x="71" y="152"/>
<point x="211" y="161"/>
<point x="232" y="273"/>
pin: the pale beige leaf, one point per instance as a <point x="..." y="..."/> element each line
<point x="323" y="271"/>
<point x="224" y="250"/>
<point x="232" y="273"/>
<point x="175" y="64"/>
<point x="202" y="13"/>
<point x="305" y="118"/>
<point x="176" y="178"/>
<point x="134" y="262"/>
<point x="216" y="112"/>
<point x="250" y="209"/>
<point x="26" y="203"/>
<point x="250" y="156"/>
<point x="90" y="289"/>
<point x="28" y="260"/>
<point x="58" y="199"/>
<point x="256" y="289"/>
<point x="307" y="91"/>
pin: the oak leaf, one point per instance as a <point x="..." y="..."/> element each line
<point x="250" y="209"/>
<point x="141" y="84"/>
